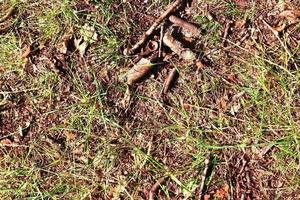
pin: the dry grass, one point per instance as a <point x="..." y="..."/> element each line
<point x="64" y="133"/>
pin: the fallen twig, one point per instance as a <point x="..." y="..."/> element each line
<point x="203" y="177"/>
<point x="226" y="32"/>
<point x="169" y="80"/>
<point x="8" y="14"/>
<point x="161" y="41"/>
<point x="154" y="26"/>
<point x="189" y="30"/>
<point x="155" y="187"/>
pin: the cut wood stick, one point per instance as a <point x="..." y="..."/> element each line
<point x="169" y="80"/>
<point x="190" y="30"/>
<point x="150" y="31"/>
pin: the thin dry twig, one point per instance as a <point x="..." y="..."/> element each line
<point x="161" y="41"/>
<point x="226" y="32"/>
<point x="150" y="31"/>
<point x="8" y="14"/>
<point x="169" y="80"/>
<point x="155" y="187"/>
<point x="203" y="177"/>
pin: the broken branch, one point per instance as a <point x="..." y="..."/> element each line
<point x="154" y="26"/>
<point x="139" y="70"/>
<point x="169" y="80"/>
<point x="193" y="31"/>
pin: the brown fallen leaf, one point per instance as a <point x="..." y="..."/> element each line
<point x="290" y="15"/>
<point x="139" y="70"/>
<point x="169" y="80"/>
<point x="223" y="192"/>
<point x="5" y="142"/>
<point x="70" y="135"/>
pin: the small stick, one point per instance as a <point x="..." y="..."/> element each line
<point x="226" y="31"/>
<point x="155" y="187"/>
<point x="203" y="177"/>
<point x="8" y="14"/>
<point x="185" y="25"/>
<point x="169" y="80"/>
<point x="161" y="41"/>
<point x="154" y="26"/>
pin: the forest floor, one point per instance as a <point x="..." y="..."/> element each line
<point x="66" y="133"/>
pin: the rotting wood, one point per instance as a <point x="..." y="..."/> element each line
<point x="150" y="31"/>
<point x="155" y="187"/>
<point x="139" y="70"/>
<point x="176" y="46"/>
<point x="189" y="29"/>
<point x="169" y="80"/>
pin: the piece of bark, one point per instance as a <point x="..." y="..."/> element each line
<point x="150" y="31"/>
<point x="176" y="46"/>
<point x="189" y="30"/>
<point x="169" y="80"/>
<point x="139" y="70"/>
<point x="27" y="51"/>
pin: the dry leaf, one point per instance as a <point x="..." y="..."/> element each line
<point x="80" y="46"/>
<point x="290" y="15"/>
<point x="70" y="135"/>
<point x="223" y="192"/>
<point x="6" y="141"/>
<point x="206" y="197"/>
<point x="139" y="71"/>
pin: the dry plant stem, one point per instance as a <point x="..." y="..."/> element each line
<point x="169" y="80"/>
<point x="155" y="187"/>
<point x="185" y="25"/>
<point x="161" y="41"/>
<point x="8" y="14"/>
<point x="177" y="47"/>
<point x="203" y="177"/>
<point x="154" y="26"/>
<point x="281" y="42"/>
<point x="226" y="31"/>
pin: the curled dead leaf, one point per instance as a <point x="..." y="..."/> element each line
<point x="139" y="70"/>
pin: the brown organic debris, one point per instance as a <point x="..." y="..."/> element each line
<point x="189" y="30"/>
<point x="139" y="70"/>
<point x="155" y="187"/>
<point x="27" y="51"/>
<point x="177" y="47"/>
<point x="8" y="14"/>
<point x="169" y="80"/>
<point x="290" y="15"/>
<point x="150" y="31"/>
